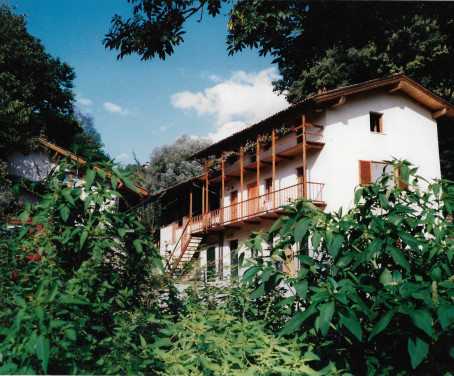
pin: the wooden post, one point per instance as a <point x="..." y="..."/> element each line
<point x="190" y="211"/>
<point x="273" y="148"/>
<point x="203" y="206"/>
<point x="241" y="183"/>
<point x="222" y="193"/>
<point x="304" y="159"/>
<point x="258" y="175"/>
<point x="207" y="205"/>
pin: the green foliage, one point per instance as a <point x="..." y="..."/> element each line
<point x="71" y="279"/>
<point x="36" y="97"/>
<point x="375" y="287"/>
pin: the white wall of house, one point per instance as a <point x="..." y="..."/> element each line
<point x="409" y="132"/>
<point x="34" y="166"/>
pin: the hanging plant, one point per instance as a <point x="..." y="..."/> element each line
<point x="213" y="164"/>
<point x="249" y="147"/>
<point x="264" y="140"/>
<point x="229" y="156"/>
<point x="282" y="131"/>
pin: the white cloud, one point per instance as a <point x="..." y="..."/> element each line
<point x="241" y="100"/>
<point x="111" y="107"/>
<point x="122" y="157"/>
<point x="85" y="101"/>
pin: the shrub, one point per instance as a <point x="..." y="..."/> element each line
<point x="375" y="288"/>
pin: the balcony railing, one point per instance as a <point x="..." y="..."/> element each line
<point x="256" y="206"/>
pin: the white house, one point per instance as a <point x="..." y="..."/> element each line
<point x="38" y="164"/>
<point x="320" y="148"/>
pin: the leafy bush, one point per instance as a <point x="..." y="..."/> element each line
<point x="70" y="278"/>
<point x="375" y="288"/>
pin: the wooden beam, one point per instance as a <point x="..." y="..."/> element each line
<point x="273" y="147"/>
<point x="286" y="157"/>
<point x="223" y="191"/>
<point x="241" y="183"/>
<point x="304" y="157"/>
<point x="190" y="210"/>
<point x="258" y="174"/>
<point x="439" y="113"/>
<point x="252" y="222"/>
<point x="396" y="87"/>
<point x="340" y="102"/>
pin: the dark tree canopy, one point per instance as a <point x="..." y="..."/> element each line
<point x="36" y="97"/>
<point x="315" y="44"/>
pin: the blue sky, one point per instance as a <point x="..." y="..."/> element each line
<point x="139" y="105"/>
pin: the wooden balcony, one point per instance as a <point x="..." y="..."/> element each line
<point x="254" y="210"/>
<point x="286" y="148"/>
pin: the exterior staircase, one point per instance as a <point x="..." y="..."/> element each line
<point x="186" y="250"/>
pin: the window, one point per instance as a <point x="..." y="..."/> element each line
<point x="376" y="122"/>
<point x="268" y="189"/>
<point x="370" y="172"/>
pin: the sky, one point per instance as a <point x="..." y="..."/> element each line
<point x="140" y="105"/>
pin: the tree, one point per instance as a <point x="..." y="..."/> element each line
<point x="89" y="141"/>
<point x="169" y="165"/>
<point x="36" y="97"/>
<point x="316" y="45"/>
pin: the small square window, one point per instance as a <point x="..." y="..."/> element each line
<point x="376" y="122"/>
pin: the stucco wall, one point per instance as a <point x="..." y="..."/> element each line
<point x="34" y="166"/>
<point x="409" y="132"/>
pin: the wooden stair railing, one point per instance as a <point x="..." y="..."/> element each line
<point x="188" y="243"/>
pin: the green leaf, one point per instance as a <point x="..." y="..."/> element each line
<point x="143" y="343"/>
<point x="66" y="299"/>
<point x="358" y="195"/>
<point x="129" y="184"/>
<point x="326" y="314"/>
<point x="423" y="320"/>
<point x="284" y="302"/>
<point x="301" y="289"/>
<point x="382" y="324"/>
<point x="316" y="237"/>
<point x="386" y="277"/>
<point x="335" y="245"/>
<point x="399" y="257"/>
<point x="114" y="181"/>
<point x="158" y="262"/>
<point x="42" y="351"/>
<point x="301" y="229"/>
<point x="293" y="324"/>
<point x="250" y="273"/>
<point x="296" y="321"/>
<point x="418" y="350"/>
<point x="89" y="178"/>
<point x="8" y="369"/>
<point x="122" y="232"/>
<point x="68" y="198"/>
<point x="138" y="245"/>
<point x="445" y="315"/>
<point x="101" y="174"/>
<point x="409" y="240"/>
<point x="64" y="212"/>
<point x="260" y="291"/>
<point x="70" y="334"/>
<point x="352" y="324"/>
<point x="83" y="238"/>
<point x="52" y="294"/>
